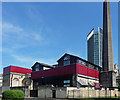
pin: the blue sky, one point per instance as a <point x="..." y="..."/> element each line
<point x="45" y="31"/>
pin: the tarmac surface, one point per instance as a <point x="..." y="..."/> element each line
<point x="35" y="98"/>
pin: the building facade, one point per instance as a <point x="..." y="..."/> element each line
<point x="116" y="70"/>
<point x="94" y="46"/>
<point x="13" y="76"/>
<point x="1" y="79"/>
<point x="71" y="71"/>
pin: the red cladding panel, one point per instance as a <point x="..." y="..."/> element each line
<point x="61" y="71"/>
<point x="21" y="70"/>
<point x="6" y="70"/>
<point x="82" y="70"/>
<point x="91" y="72"/>
<point x="97" y="74"/>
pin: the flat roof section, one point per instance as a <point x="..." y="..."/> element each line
<point x="16" y="69"/>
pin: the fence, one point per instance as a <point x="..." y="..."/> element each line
<point x="91" y="93"/>
<point x="73" y="92"/>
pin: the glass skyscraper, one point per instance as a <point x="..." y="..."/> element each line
<point x="94" y="46"/>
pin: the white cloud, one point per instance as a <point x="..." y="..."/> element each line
<point x="18" y="36"/>
<point x="7" y="27"/>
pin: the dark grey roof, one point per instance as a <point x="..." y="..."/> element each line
<point x="46" y="65"/>
<point x="78" y="58"/>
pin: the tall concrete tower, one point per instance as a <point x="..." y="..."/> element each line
<point x="107" y="76"/>
<point x="108" y="62"/>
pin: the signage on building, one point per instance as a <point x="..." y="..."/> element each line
<point x="97" y="85"/>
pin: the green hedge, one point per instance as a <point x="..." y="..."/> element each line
<point x="119" y="87"/>
<point x="13" y="95"/>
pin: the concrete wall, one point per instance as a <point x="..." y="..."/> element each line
<point x="5" y="88"/>
<point x="6" y="80"/>
<point x="45" y="92"/>
<point x="90" y="92"/>
<point x="61" y="92"/>
<point x="73" y="92"/>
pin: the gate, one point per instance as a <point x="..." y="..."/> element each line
<point x="33" y="93"/>
<point x="54" y="93"/>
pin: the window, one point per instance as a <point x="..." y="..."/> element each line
<point x="97" y="68"/>
<point x="37" y="67"/>
<point x="79" y="61"/>
<point x="16" y="82"/>
<point x="66" y="81"/>
<point x="91" y="66"/>
<point x="21" y="76"/>
<point x="82" y="62"/>
<point x="67" y="85"/>
<point x="67" y="60"/>
<point x="29" y="75"/>
<point x="46" y="68"/>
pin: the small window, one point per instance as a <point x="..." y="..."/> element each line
<point x="91" y="66"/>
<point x="67" y="85"/>
<point x="67" y="57"/>
<point x="37" y="67"/>
<point x="21" y="76"/>
<point x="67" y="60"/>
<point x="46" y="68"/>
<point x="97" y="68"/>
<point x="83" y="63"/>
<point x="29" y="75"/>
<point x="79" y="61"/>
<point x="66" y="81"/>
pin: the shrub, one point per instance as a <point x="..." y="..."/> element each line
<point x="119" y="87"/>
<point x="13" y="95"/>
<point x="20" y="94"/>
